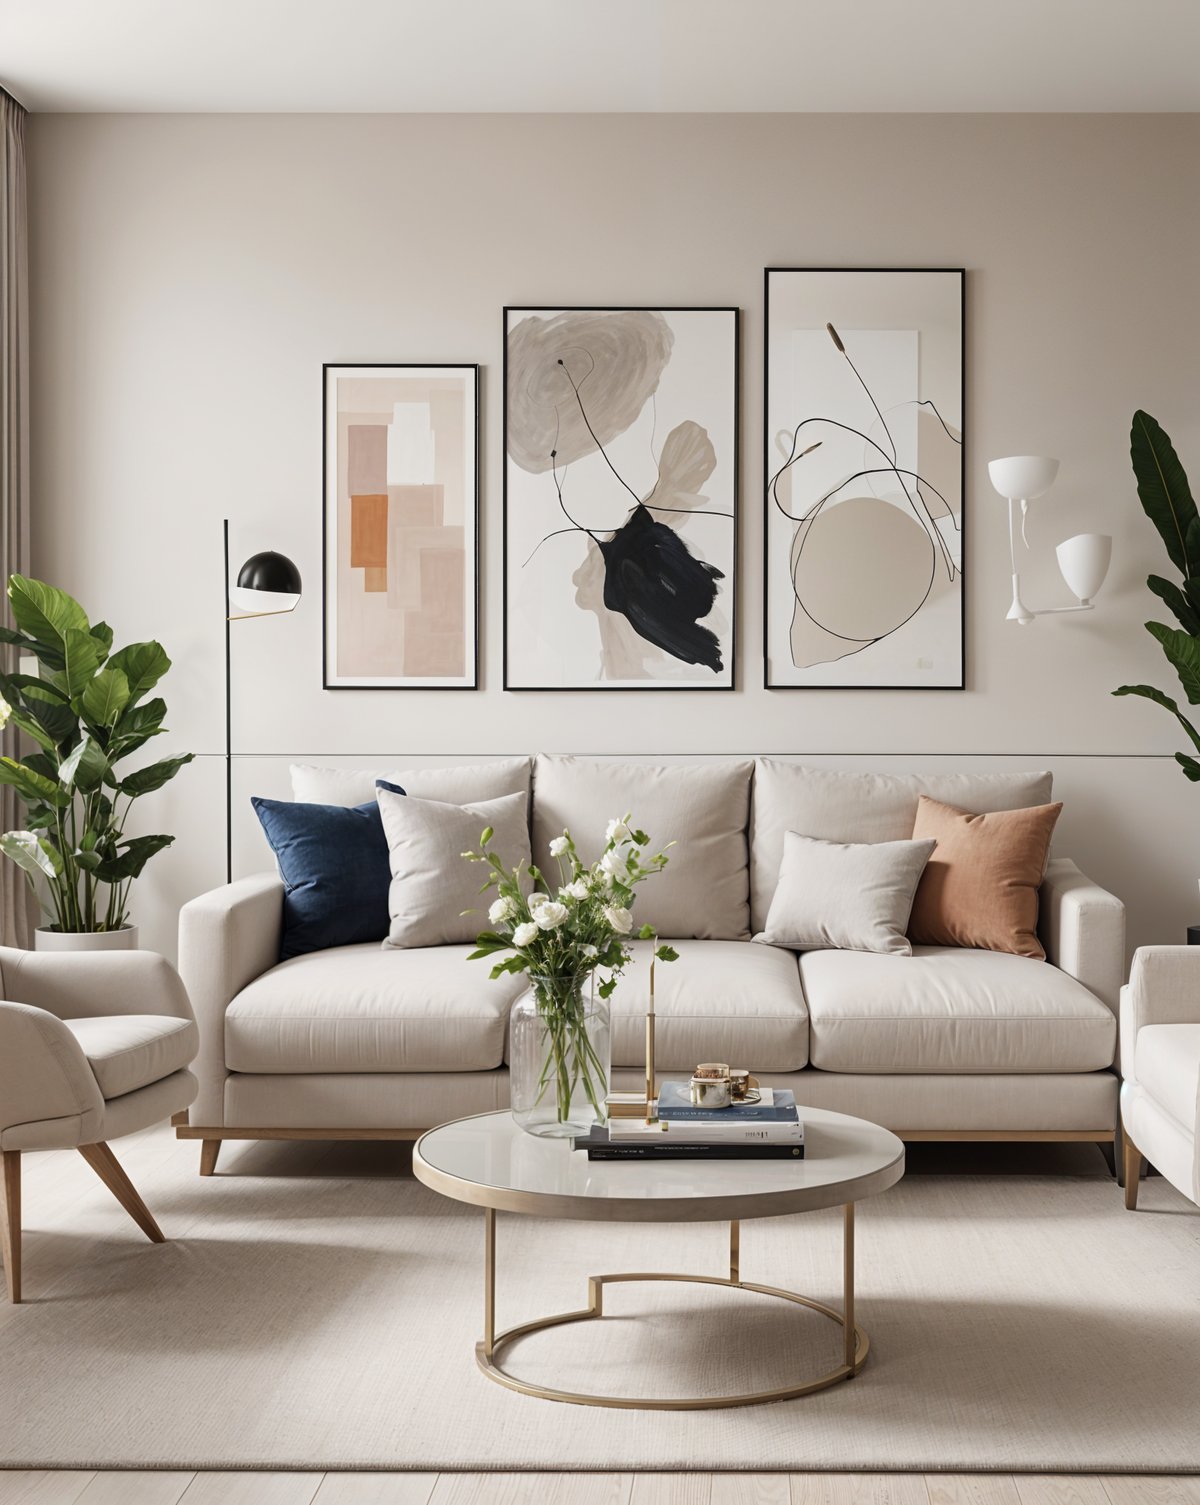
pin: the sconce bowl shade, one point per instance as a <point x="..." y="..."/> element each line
<point x="1084" y="562"/>
<point x="1022" y="477"/>
<point x="267" y="582"/>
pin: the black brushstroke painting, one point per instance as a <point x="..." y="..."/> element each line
<point x="653" y="579"/>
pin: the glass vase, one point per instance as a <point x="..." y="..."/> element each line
<point x="560" y="1054"/>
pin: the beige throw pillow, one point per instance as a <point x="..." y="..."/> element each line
<point x="845" y="896"/>
<point x="980" y="888"/>
<point x="432" y="882"/>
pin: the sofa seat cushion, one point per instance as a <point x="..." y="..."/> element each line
<point x="1167" y="1066"/>
<point x="366" y="1008"/>
<point x="727" y="1001"/>
<point x="128" y="1051"/>
<point x="949" y="1010"/>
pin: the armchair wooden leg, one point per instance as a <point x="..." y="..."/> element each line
<point x="209" y="1150"/>
<point x="10" y="1220"/>
<point x="108" y="1168"/>
<point x="1133" y="1172"/>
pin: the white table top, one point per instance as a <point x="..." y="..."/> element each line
<point x="488" y="1161"/>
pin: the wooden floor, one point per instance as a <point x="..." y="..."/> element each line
<point x="144" y="1488"/>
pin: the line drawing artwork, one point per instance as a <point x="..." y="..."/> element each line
<point x="867" y="484"/>
<point x="619" y="543"/>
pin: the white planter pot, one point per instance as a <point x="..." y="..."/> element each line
<point x="86" y="940"/>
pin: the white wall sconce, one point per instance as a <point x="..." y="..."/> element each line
<point x="1083" y="560"/>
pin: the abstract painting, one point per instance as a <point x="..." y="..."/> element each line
<point x="863" y="460"/>
<point x="620" y="498"/>
<point x="401" y="527"/>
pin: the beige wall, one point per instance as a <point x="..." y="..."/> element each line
<point x="191" y="273"/>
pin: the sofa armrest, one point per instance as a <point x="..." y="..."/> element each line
<point x="1082" y="927"/>
<point x="227" y="938"/>
<point x="86" y="984"/>
<point x="45" y="1080"/>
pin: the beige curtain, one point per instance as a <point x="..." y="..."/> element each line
<point x="16" y="920"/>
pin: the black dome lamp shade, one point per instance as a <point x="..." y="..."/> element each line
<point x="268" y="585"/>
<point x="270" y="572"/>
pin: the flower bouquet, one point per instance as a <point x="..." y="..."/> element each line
<point x="561" y="935"/>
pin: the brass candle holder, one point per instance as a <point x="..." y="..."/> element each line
<point x="651" y="1094"/>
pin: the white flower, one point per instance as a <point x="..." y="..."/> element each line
<point x="525" y="933"/>
<point x="615" y="865"/>
<point x="536" y="899"/>
<point x="617" y="831"/>
<point x="558" y="846"/>
<point x="590" y="952"/>
<point x="5" y="711"/>
<point x="502" y="909"/>
<point x="620" y="919"/>
<point x="576" y="890"/>
<point x="549" y="916"/>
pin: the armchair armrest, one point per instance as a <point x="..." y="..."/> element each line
<point x="1164" y="988"/>
<point x="47" y="1088"/>
<point x="1082" y="927"/>
<point x="227" y="938"/>
<point x="83" y="985"/>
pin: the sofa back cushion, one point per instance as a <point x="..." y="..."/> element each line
<point x="853" y="807"/>
<point x="453" y="785"/>
<point x="703" y="893"/>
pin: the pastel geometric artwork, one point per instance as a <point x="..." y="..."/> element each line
<point x="401" y="526"/>
<point x="864" y="480"/>
<point x="620" y="490"/>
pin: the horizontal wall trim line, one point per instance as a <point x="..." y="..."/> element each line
<point x="775" y="753"/>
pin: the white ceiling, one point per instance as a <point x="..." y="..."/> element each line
<point x="602" y="55"/>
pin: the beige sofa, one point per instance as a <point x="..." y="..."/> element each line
<point x="363" y="1042"/>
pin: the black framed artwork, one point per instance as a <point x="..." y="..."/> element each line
<point x="864" y="473"/>
<point x="401" y="527"/>
<point x="620" y="498"/>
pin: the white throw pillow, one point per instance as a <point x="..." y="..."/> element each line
<point x="432" y="882"/>
<point x="845" y="896"/>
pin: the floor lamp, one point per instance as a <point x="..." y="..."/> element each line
<point x="271" y="581"/>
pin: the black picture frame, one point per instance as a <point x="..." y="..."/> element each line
<point x="472" y="370"/>
<point x="655" y="687"/>
<point x="768" y="273"/>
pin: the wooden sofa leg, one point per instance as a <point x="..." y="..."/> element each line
<point x="10" y="1220"/>
<point x="209" y="1150"/>
<point x="1133" y="1172"/>
<point x="108" y="1168"/>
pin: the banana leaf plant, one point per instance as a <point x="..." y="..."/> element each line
<point x="1167" y="501"/>
<point x="86" y="712"/>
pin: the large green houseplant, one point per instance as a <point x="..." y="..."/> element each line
<point x="1167" y="501"/>
<point x="86" y="712"/>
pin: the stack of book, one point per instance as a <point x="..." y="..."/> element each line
<point x="769" y="1129"/>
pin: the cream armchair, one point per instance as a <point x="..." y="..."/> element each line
<point x="1160" y="1067"/>
<point x="92" y="1046"/>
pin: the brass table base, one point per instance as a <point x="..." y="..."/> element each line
<point x="854" y="1350"/>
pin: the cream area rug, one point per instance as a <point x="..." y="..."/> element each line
<point x="317" y="1308"/>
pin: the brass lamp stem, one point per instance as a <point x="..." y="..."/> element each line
<point x="650" y="1092"/>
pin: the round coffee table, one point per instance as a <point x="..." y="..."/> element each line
<point x="491" y="1163"/>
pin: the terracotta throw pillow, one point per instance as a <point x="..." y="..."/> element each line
<point x="980" y="887"/>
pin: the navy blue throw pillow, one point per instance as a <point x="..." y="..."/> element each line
<point x="335" y="869"/>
